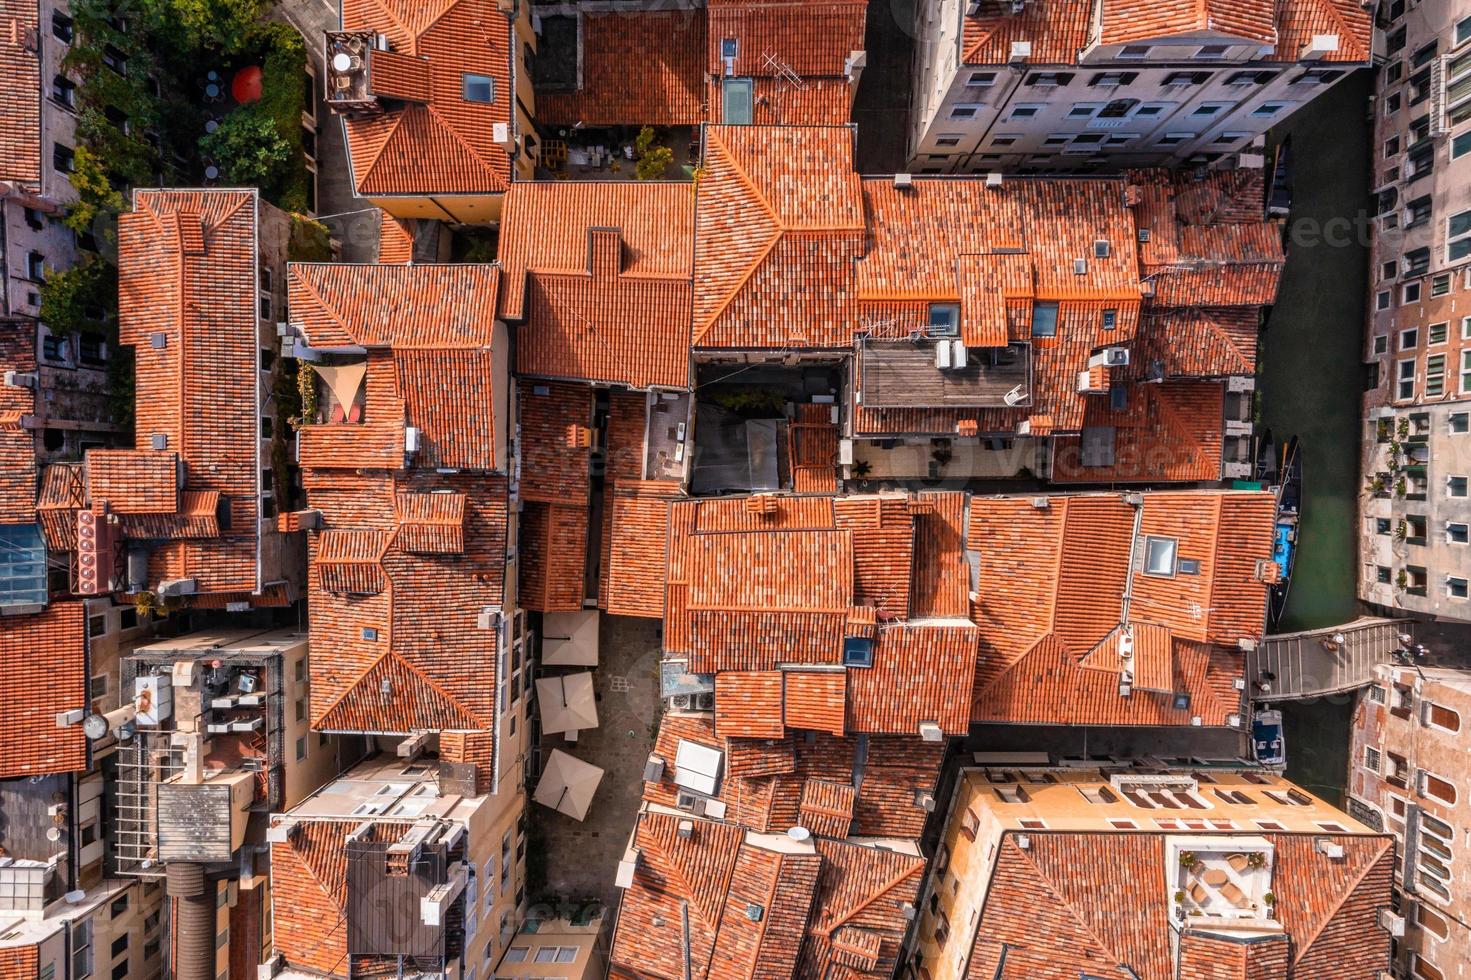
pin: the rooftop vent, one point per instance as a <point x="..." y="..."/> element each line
<point x="994" y="179"/>
<point x="902" y="182"/>
<point x="1021" y="50"/>
<point x="755" y="912"/>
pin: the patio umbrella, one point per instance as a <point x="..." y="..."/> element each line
<point x="567" y="703"/>
<point x="570" y="639"/>
<point x="567" y="784"/>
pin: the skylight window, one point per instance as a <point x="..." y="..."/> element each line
<point x="478" y="88"/>
<point x="1044" y="320"/>
<point x="1159" y="556"/>
<point x="944" y="319"/>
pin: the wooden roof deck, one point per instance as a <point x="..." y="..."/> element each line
<point x="902" y="374"/>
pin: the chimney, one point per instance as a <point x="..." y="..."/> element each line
<point x="604" y="252"/>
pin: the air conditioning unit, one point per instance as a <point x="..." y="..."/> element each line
<point x="957" y="354"/>
<point x="1110" y="357"/>
<point x="994" y="179"/>
<point x="705" y="701"/>
<point x="411" y="439"/>
<point x="500" y="133"/>
<point x="1328" y="848"/>
<point x="1319" y="47"/>
<point x="177" y="587"/>
<point x="20" y="379"/>
<point x="902" y="182"/>
<point x="1021" y="50"/>
<point x="489" y="618"/>
<point x="680" y="702"/>
<point x="942" y="356"/>
<point x="925" y="800"/>
<point x="654" y="769"/>
<point x="1041" y="503"/>
<point x="931" y="732"/>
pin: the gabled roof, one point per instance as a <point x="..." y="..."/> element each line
<point x="187" y="286"/>
<point x="782" y="38"/>
<point x="17" y="443"/>
<point x="404" y="307"/>
<point x="638" y="540"/>
<point x="401" y="571"/>
<point x="779" y="223"/>
<point x="1056" y="29"/>
<point x="1127" y="21"/>
<point x="436" y="142"/>
<point x="600" y="276"/>
<point x="636" y="68"/>
<point x="45" y="657"/>
<point x="1165" y="432"/>
<point x="555" y="488"/>
<point x="1056" y="583"/>
<point x="1096" y="904"/>
<point x="20" y="92"/>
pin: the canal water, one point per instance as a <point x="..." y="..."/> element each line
<point x="1311" y="386"/>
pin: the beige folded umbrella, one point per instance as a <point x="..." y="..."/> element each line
<point x="568" y="784"/>
<point x="567" y="703"/>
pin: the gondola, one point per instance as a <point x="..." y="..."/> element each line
<point x="1285" y="539"/>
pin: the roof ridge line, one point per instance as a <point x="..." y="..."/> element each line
<point x="740" y="284"/>
<point x="372" y="164"/>
<point x="1345" y="893"/>
<point x="343" y="696"/>
<point x="310" y="285"/>
<point x="1082" y="923"/>
<point x="438" y="689"/>
<point x="454" y="132"/>
<point x="826" y="931"/>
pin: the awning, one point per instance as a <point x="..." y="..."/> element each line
<point x="570" y="639"/>
<point x="567" y="703"/>
<point x="568" y="784"/>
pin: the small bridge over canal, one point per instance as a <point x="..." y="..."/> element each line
<point x="1314" y="663"/>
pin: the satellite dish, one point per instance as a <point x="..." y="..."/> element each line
<point x="53" y="834"/>
<point x="799" y="833"/>
<point x="95" y="726"/>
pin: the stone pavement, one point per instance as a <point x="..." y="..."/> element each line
<point x="582" y="858"/>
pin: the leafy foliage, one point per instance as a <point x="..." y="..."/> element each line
<point x="248" y="148"/>
<point x="98" y="203"/>
<point x="653" y="161"/>
<point x="82" y="299"/>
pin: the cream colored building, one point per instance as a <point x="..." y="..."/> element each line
<point x="556" y="948"/>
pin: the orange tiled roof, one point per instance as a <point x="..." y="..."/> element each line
<point x="1126" y="21"/>
<point x="434" y="142"/>
<point x="782" y="102"/>
<point x="17" y="443"/>
<point x="778" y="225"/>
<point x="400" y="574"/>
<point x="398" y="306"/>
<point x="45" y="654"/>
<point x="20" y="92"/>
<point x="637" y="543"/>
<point x="395" y="240"/>
<point x="1105" y="910"/>
<point x="666" y="87"/>
<point x="63" y="493"/>
<point x="1059" y="29"/>
<point x="809" y="900"/>
<point x="1052" y="586"/>
<point x="809" y="38"/>
<point x="546" y="224"/>
<point x="600" y="324"/>
<point x="1168" y="432"/>
<point x="187" y="271"/>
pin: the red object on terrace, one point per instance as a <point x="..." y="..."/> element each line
<point x="245" y="87"/>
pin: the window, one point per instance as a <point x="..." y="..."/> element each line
<point x="1120" y="823"/>
<point x="1465" y="383"/>
<point x="1405" y="387"/>
<point x="1024" y="111"/>
<point x="1440" y="286"/>
<point x="1409" y="294"/>
<point x="1159" y="555"/>
<point x="1209" y="108"/>
<point x="1371" y="758"/>
<point x="35" y="266"/>
<point x="1409" y="339"/>
<point x="1172" y="139"/>
<point x="1113" y="79"/>
<point x="1377" y="694"/>
<point x="1050" y="79"/>
<point x="1431" y="921"/>
<point x="964" y="111"/>
<point x="517" y="954"/>
<point x="301" y="748"/>
<point x="1110" y="319"/>
<point x="64" y="91"/>
<point x="61" y="27"/>
<point x="555" y="954"/>
<point x="1382" y="574"/>
<point x="1187" y="78"/>
<point x="477" y="88"/>
<point x="1212" y="51"/>
<point x="1455" y="532"/>
<point x="1437" y="333"/>
<point x="1381" y="300"/>
<point x="1435" y="375"/>
<point x="737" y="101"/>
<point x="944" y="320"/>
<point x="82" y="949"/>
<point x="1431" y="785"/>
<point x="981" y="79"/>
<point x="1268" y="109"/>
<point x="1044" y="319"/>
<point x="1439" y="716"/>
<point x="1134" y="51"/>
<point x="728" y="48"/>
<point x="1455" y="486"/>
<point x="947" y="139"/>
<point x="970" y="823"/>
<point x="1458" y="236"/>
<point x="1391" y="103"/>
<point x="1460" y="145"/>
<point x="63" y="158"/>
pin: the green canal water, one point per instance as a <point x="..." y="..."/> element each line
<point x="1311" y="385"/>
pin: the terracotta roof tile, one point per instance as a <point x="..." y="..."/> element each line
<point x="749" y="704"/>
<point x="449" y="397"/>
<point x="827" y="807"/>
<point x="638" y="547"/>
<point x="1298" y="21"/>
<point x="1034" y="633"/>
<point x="395" y="240"/>
<point x="774" y="36"/>
<point x="20" y="92"/>
<point x="546" y="223"/>
<point x="444" y="145"/>
<point x="1057" y="31"/>
<point x="782" y="102"/>
<point x="812" y="447"/>
<point x="552" y="470"/>
<point x="1125" y="21"/>
<point x="883" y="533"/>
<point x="1168" y="432"/>
<point x="397" y="306"/>
<point x="779" y="224"/>
<point x="814" y="700"/>
<point x="431" y="523"/>
<point x="553" y="556"/>
<point x="919" y="674"/>
<point x="667" y="46"/>
<point x="45" y="654"/>
<point x="63" y="493"/>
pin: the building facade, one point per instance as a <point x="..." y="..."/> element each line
<point x="1418" y="346"/>
<point x="1068" y="85"/>
<point x="1407" y="773"/>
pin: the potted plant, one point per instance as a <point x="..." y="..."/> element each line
<point x="1179" y="897"/>
<point x="1188" y="859"/>
<point x="1256" y="859"/>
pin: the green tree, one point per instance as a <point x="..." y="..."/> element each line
<point x="82" y="299"/>
<point x="248" y="148"/>
<point x="96" y="197"/>
<point x="653" y="161"/>
<point x="227" y="26"/>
